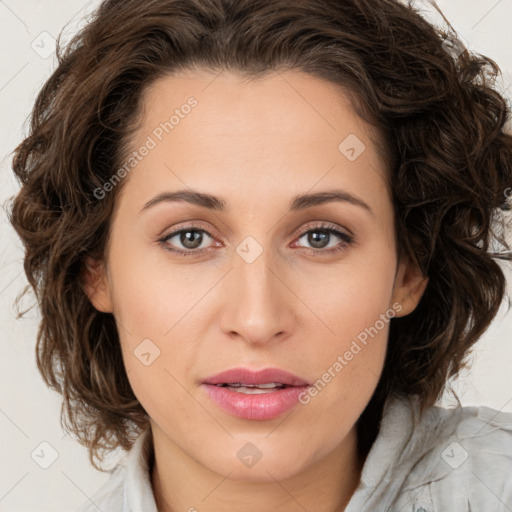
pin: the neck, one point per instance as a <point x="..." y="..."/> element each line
<point x="183" y="484"/>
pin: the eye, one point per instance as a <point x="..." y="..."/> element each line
<point x="193" y="240"/>
<point x="320" y="236"/>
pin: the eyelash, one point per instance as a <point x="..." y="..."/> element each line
<point x="326" y="228"/>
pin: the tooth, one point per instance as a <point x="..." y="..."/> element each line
<point x="263" y="386"/>
<point x="250" y="391"/>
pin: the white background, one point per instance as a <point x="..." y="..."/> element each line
<point x="29" y="412"/>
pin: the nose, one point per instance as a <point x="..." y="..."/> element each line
<point x="259" y="306"/>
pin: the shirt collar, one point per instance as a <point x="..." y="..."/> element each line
<point x="138" y="492"/>
<point x="404" y="438"/>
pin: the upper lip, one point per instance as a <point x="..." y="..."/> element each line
<point x="253" y="377"/>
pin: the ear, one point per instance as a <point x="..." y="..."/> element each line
<point x="409" y="286"/>
<point x="96" y="285"/>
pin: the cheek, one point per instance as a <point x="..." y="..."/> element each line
<point x="150" y="308"/>
<point x="356" y="310"/>
<point x="149" y="296"/>
<point x="354" y="296"/>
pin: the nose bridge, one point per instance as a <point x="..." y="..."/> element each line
<point x="258" y="305"/>
<point x="255" y="273"/>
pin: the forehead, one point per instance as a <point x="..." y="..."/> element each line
<point x="284" y="128"/>
<point x="302" y="95"/>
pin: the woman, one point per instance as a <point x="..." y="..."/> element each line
<point x="260" y="234"/>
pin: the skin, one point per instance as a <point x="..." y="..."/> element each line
<point x="297" y="306"/>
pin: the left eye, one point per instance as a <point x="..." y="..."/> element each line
<point x="192" y="238"/>
<point x="319" y="237"/>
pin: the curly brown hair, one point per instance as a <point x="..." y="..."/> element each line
<point x="450" y="165"/>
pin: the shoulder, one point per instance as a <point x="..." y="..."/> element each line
<point x="129" y="485"/>
<point x="109" y="496"/>
<point x="463" y="460"/>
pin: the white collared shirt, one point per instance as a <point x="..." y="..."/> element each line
<point x="452" y="460"/>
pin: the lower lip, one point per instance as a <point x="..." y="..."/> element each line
<point x="264" y="406"/>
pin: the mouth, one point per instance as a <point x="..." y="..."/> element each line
<point x="255" y="395"/>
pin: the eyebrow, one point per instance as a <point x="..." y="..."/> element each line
<point x="298" y="203"/>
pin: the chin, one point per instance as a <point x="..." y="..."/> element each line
<point x="251" y="464"/>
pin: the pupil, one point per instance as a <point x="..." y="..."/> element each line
<point x="189" y="241"/>
<point x="317" y="239"/>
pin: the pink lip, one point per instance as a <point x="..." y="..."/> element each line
<point x="248" y="376"/>
<point x="263" y="406"/>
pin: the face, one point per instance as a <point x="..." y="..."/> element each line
<point x="260" y="276"/>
